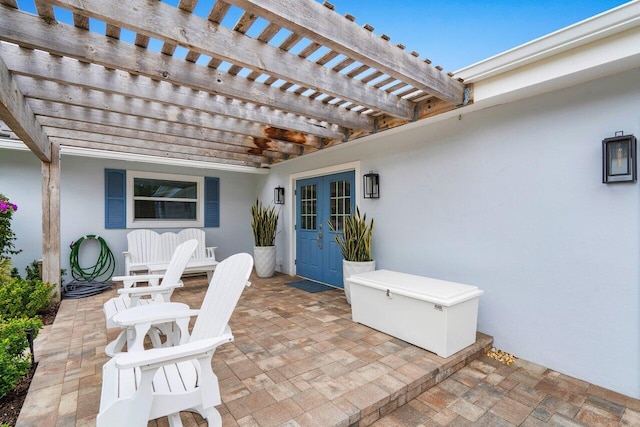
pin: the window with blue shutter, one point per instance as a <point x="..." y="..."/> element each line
<point x="211" y="202"/>
<point x="115" y="211"/>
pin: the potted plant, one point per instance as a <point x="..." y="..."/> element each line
<point x="355" y="244"/>
<point x="264" y="223"/>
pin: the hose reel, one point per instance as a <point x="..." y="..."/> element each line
<point x="92" y="279"/>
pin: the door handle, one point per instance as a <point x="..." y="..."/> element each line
<point x="320" y="240"/>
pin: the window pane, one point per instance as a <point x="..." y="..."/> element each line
<point x="340" y="200"/>
<point x="149" y="209"/>
<point x="308" y="207"/>
<point x="147" y="187"/>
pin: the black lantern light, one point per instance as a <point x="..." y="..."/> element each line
<point x="619" y="159"/>
<point x="371" y="185"/>
<point x="278" y="195"/>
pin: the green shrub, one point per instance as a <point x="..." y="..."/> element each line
<point x="14" y="359"/>
<point x="32" y="271"/>
<point x="24" y="298"/>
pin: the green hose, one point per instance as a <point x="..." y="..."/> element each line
<point x="103" y="268"/>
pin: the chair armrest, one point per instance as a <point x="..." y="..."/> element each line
<point x="138" y="277"/>
<point x="150" y="290"/>
<point x="210" y="251"/>
<point x="154" y="314"/>
<point x="166" y="355"/>
<point x="129" y="281"/>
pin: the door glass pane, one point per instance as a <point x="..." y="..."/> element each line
<point x="308" y="207"/>
<point x="340" y="195"/>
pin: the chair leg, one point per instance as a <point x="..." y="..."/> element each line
<point x="116" y="345"/>
<point x="213" y="418"/>
<point x="175" y="421"/>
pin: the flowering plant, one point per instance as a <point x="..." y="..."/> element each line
<point x="6" y="234"/>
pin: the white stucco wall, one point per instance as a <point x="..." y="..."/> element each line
<point x="510" y="199"/>
<point x="82" y="205"/>
<point x="20" y="181"/>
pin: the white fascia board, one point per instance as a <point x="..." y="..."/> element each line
<point x="604" y="25"/>
<point x="12" y="144"/>
<point x="100" y="154"/>
<point x="608" y="56"/>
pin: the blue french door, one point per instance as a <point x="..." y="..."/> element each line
<point x="318" y="200"/>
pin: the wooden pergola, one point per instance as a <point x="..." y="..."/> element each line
<point x="275" y="80"/>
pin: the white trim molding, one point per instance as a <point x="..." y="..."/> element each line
<point x="103" y="154"/>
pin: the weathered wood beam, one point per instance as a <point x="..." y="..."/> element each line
<point x="51" y="220"/>
<point x="56" y="109"/>
<point x="59" y="127"/>
<point x="65" y="128"/>
<point x="85" y="117"/>
<point x="38" y="64"/>
<point x="64" y="40"/>
<point x="321" y="24"/>
<point x="166" y="23"/>
<point x="120" y="146"/>
<point x="45" y="10"/>
<point x="187" y="6"/>
<point x="17" y="114"/>
<point x="169" y="144"/>
<point x="63" y="94"/>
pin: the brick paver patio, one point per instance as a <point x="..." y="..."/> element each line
<point x="299" y="360"/>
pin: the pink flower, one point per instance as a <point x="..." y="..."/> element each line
<point x="5" y="206"/>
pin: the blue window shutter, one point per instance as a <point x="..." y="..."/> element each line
<point x="211" y="202"/>
<point x="115" y="198"/>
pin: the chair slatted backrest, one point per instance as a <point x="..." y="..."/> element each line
<point x="228" y="281"/>
<point x="179" y="261"/>
<point x="199" y="235"/>
<point x="141" y="245"/>
<point x="166" y="244"/>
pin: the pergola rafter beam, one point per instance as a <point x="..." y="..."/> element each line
<point x="164" y="22"/>
<point x="122" y="147"/>
<point x="71" y="95"/>
<point x="168" y="145"/>
<point x="65" y="128"/>
<point x="36" y="64"/>
<point x="90" y="117"/>
<point x="65" y="40"/>
<point x="320" y="24"/>
<point x="17" y="114"/>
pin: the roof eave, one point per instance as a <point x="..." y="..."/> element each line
<point x="590" y="30"/>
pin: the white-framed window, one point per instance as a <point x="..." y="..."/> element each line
<point x="159" y="200"/>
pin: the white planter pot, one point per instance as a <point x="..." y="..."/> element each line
<point x="264" y="260"/>
<point x="352" y="267"/>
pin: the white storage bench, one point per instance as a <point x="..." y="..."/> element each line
<point x="433" y="314"/>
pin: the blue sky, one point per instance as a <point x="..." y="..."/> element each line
<point x="457" y="33"/>
<point x="451" y="33"/>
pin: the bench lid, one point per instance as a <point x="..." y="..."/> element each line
<point x="423" y="288"/>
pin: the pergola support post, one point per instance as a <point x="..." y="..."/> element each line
<point x="51" y="220"/>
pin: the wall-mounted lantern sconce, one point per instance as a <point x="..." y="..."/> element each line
<point x="619" y="159"/>
<point x="371" y="185"/>
<point x="278" y="195"/>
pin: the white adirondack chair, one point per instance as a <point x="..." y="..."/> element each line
<point x="160" y="288"/>
<point x="139" y="386"/>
